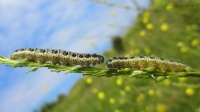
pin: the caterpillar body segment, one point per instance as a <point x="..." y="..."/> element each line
<point x="140" y="62"/>
<point x="57" y="56"/>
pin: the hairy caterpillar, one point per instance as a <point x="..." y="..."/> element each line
<point x="57" y="56"/>
<point x="140" y="62"/>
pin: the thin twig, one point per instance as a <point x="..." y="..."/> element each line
<point x="136" y="4"/>
<point x="115" y="5"/>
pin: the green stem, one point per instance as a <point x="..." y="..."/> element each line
<point x="127" y="72"/>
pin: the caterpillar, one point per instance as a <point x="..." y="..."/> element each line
<point x="57" y="56"/>
<point x="139" y="62"/>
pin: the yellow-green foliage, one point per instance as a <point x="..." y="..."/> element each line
<point x="170" y="31"/>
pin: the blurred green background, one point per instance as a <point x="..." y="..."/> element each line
<point x="168" y="29"/>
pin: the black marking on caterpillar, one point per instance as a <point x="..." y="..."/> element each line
<point x="139" y="62"/>
<point x="57" y="56"/>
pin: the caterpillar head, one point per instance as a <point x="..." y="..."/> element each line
<point x="108" y="63"/>
<point x="101" y="58"/>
